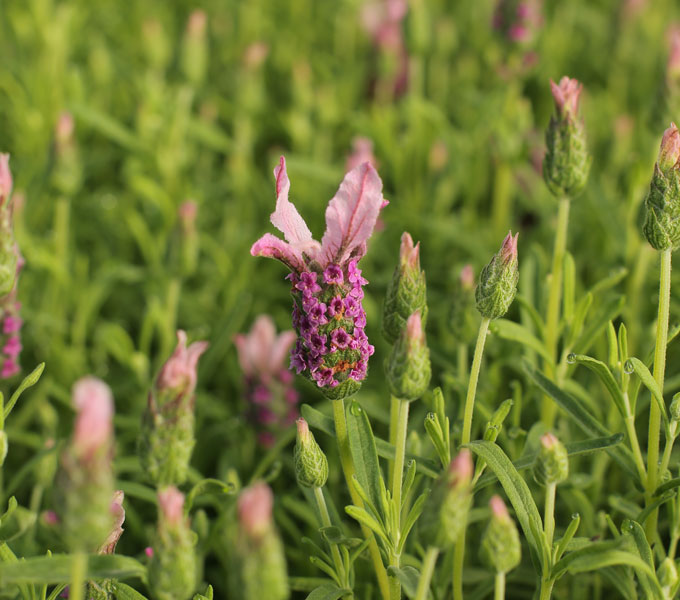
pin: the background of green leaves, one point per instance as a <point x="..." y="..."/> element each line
<point x="101" y="290"/>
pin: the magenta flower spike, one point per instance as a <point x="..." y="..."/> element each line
<point x="272" y="400"/>
<point x="326" y="280"/>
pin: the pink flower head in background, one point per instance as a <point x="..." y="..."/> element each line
<point x="179" y="371"/>
<point x="11" y="323"/>
<point x="93" y="402"/>
<point x="467" y="277"/>
<point x="362" y="151"/>
<point x="461" y="469"/>
<point x="383" y="21"/>
<point x="187" y="215"/>
<point x="326" y="280"/>
<point x="5" y="179"/>
<point x="118" y="514"/>
<point x="673" y="64"/>
<point x="498" y="508"/>
<point x="566" y="95"/>
<point x="255" y="510"/>
<point x="171" y="505"/>
<point x="518" y="20"/>
<point x="271" y="398"/>
<point x="197" y="23"/>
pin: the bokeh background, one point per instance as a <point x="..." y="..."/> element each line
<point x="116" y="114"/>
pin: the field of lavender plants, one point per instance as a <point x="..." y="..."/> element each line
<point x="458" y="379"/>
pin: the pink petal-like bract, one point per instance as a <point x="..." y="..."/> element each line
<point x="286" y="218"/>
<point x="351" y="214"/>
<point x="171" y="504"/>
<point x="180" y="369"/>
<point x="270" y="246"/>
<point x="281" y="350"/>
<point x="93" y="427"/>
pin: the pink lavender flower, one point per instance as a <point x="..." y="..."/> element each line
<point x="5" y="179"/>
<point x="171" y="504"/>
<point x="179" y="372"/>
<point x="11" y="322"/>
<point x="118" y="514"/>
<point x="255" y="509"/>
<point x="271" y="398"/>
<point x="362" y="151"/>
<point x="518" y="20"/>
<point x="566" y="96"/>
<point x="326" y="280"/>
<point x="93" y="402"/>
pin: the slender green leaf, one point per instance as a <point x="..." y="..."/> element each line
<point x="408" y="577"/>
<point x="582" y="417"/>
<point x="328" y="591"/>
<point x="609" y="312"/>
<point x="669" y="485"/>
<point x="606" y="377"/>
<point x="361" y="515"/>
<point x="411" y="519"/>
<point x="509" y="330"/>
<point x="641" y="370"/>
<point x="30" y="380"/>
<point x="518" y="493"/>
<point x="563" y="543"/>
<point x="123" y="591"/>
<point x="57" y="569"/>
<point x="317" y="420"/>
<point x="213" y="487"/>
<point x="595" y="557"/>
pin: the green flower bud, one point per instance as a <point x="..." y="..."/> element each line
<point x="172" y="570"/>
<point x="406" y="292"/>
<point x="464" y="321"/>
<point x="498" y="281"/>
<point x="408" y="367"/>
<point x="662" y="205"/>
<point x="85" y="480"/>
<point x="552" y="462"/>
<point x="311" y="464"/>
<point x="259" y="551"/>
<point x="445" y="512"/>
<point x="501" y="548"/>
<point x="167" y="435"/>
<point x="674" y="409"/>
<point x="566" y="163"/>
<point x="194" y="56"/>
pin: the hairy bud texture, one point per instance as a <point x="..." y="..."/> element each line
<point x="498" y="281"/>
<point x="311" y="464"/>
<point x="501" y="547"/>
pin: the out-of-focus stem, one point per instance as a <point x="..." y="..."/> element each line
<point x="552" y="319"/>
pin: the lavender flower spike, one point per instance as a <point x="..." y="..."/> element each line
<point x="332" y="348"/>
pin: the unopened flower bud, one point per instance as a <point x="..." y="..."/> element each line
<point x="259" y="551"/>
<point x="195" y="48"/>
<point x="408" y="367"/>
<point x="662" y="205"/>
<point x="552" y="462"/>
<point x="498" y="281"/>
<point x="172" y="569"/>
<point x="311" y="464"/>
<point x="501" y="547"/>
<point x="674" y="408"/>
<point x="406" y="293"/>
<point x="464" y="321"/>
<point x="566" y="163"/>
<point x="85" y="480"/>
<point x="445" y="513"/>
<point x="167" y="436"/>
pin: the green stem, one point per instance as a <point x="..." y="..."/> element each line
<point x="635" y="446"/>
<point x="397" y="478"/>
<point x="426" y="573"/>
<point x="462" y="361"/>
<point x="326" y="522"/>
<point x="552" y="319"/>
<point x="472" y="385"/>
<point x="659" y="370"/>
<point x="394" y="418"/>
<point x="459" y="553"/>
<point x="668" y="448"/>
<point x="458" y="564"/>
<point x="550" y="514"/>
<point x="78" y="574"/>
<point x="499" y="588"/>
<point x="546" y="588"/>
<point x="348" y="469"/>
